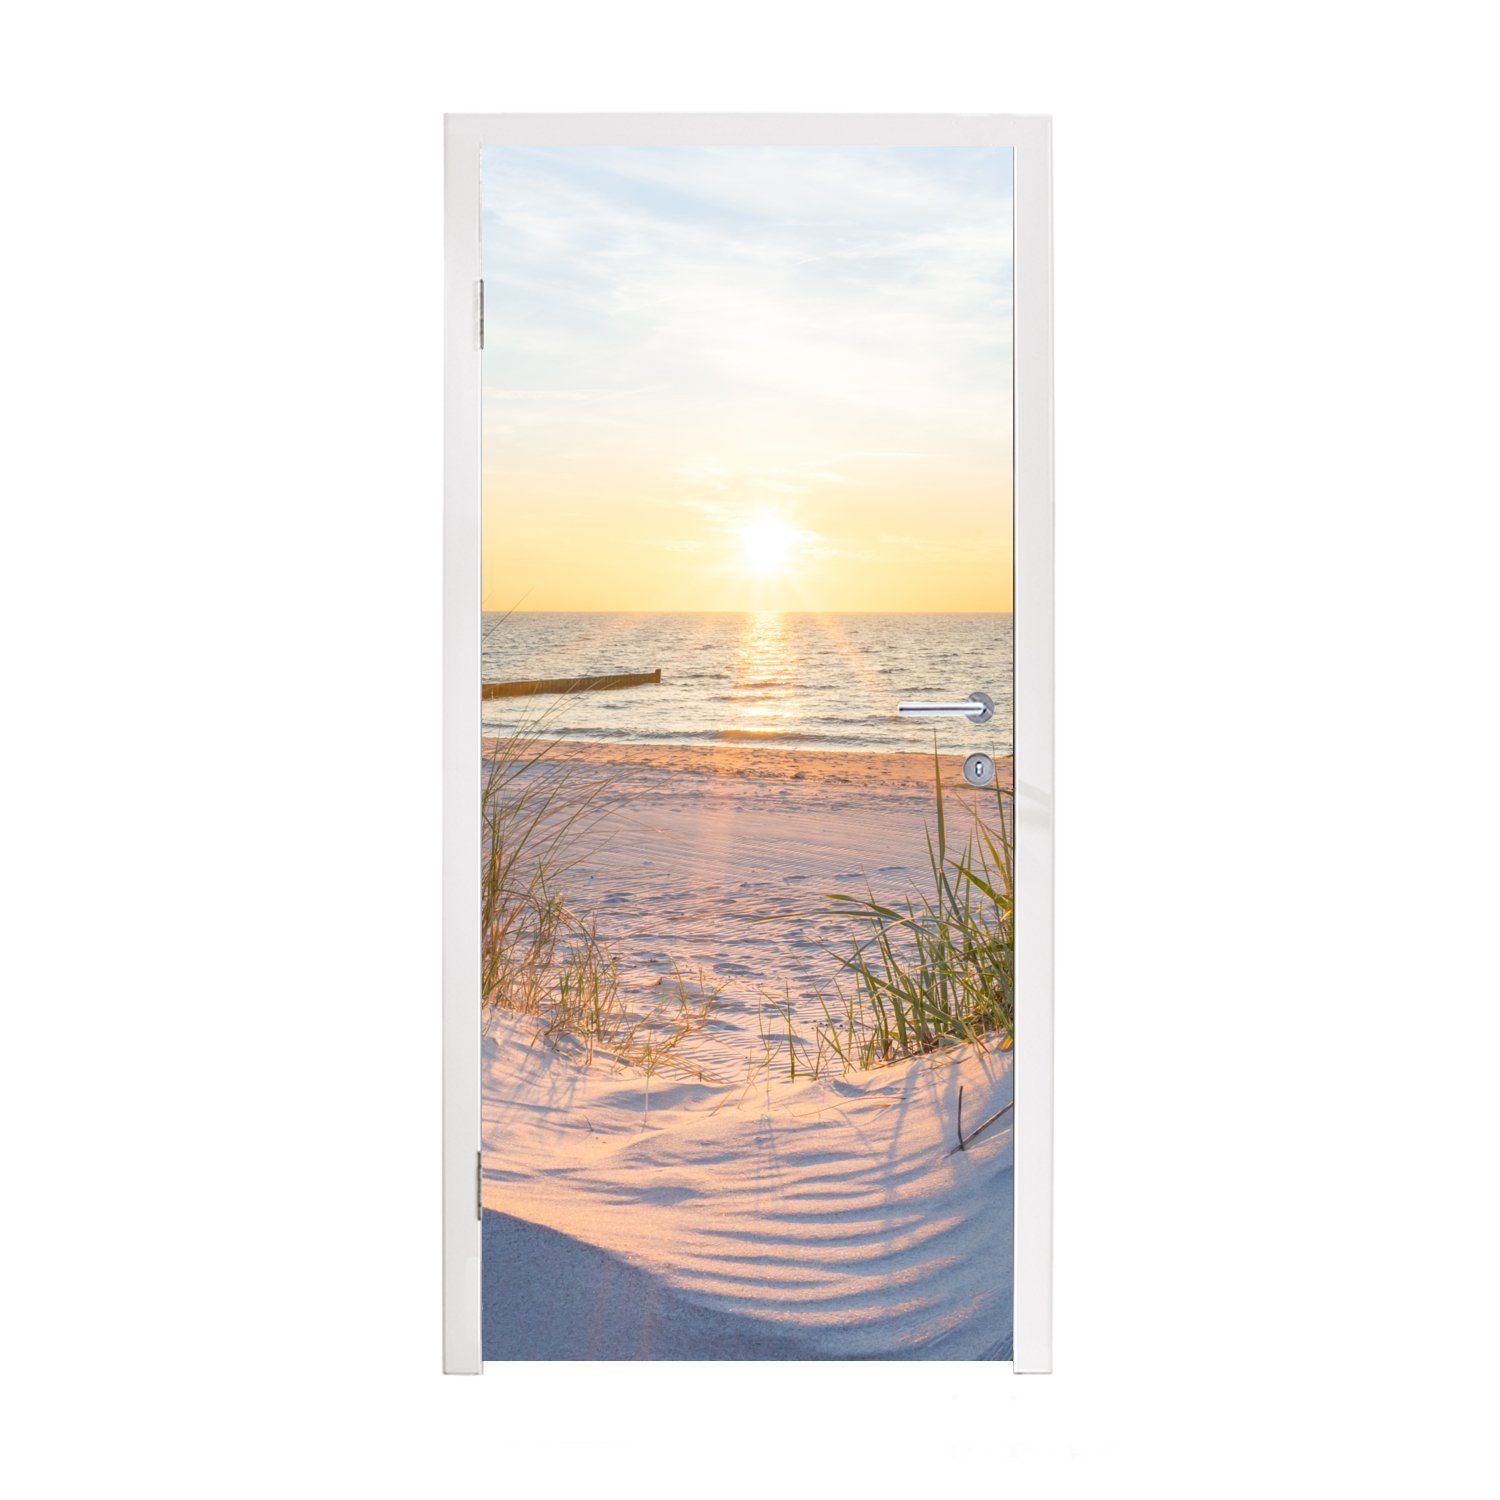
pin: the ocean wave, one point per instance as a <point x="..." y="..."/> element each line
<point x="641" y="736"/>
<point x="764" y="736"/>
<point x="826" y="681"/>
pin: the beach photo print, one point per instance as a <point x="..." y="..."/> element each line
<point x="747" y="829"/>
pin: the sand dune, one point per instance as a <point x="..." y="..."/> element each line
<point x="728" y="1211"/>
<point x="549" y="1296"/>
<point x="821" y="1219"/>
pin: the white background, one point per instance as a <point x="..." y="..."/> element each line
<point x="220" y="584"/>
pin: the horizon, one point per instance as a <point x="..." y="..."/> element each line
<point x="505" y="613"/>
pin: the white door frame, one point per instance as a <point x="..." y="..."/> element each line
<point x="1030" y="137"/>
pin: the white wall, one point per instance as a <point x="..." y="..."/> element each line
<point x="219" y="590"/>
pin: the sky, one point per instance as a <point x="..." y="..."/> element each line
<point x="747" y="379"/>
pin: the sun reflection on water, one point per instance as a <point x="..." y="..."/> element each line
<point x="764" y="685"/>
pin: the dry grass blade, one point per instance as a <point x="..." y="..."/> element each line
<point x="541" y="957"/>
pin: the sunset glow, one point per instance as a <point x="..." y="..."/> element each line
<point x="767" y="545"/>
<point x="747" y="379"/>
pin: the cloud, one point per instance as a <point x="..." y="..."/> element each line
<point x="678" y="342"/>
<point x="749" y="303"/>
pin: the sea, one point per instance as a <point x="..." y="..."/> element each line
<point x="795" y="681"/>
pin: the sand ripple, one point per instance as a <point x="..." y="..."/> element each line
<point x="816" y="1219"/>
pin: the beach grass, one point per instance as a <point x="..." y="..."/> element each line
<point x="535" y="823"/>
<point x="540" y="956"/>
<point x="932" y="969"/>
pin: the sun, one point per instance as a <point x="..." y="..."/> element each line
<point x="768" y="545"/>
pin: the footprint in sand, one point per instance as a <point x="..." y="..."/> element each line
<point x="664" y="1194"/>
<point x="732" y="968"/>
<point x="793" y="879"/>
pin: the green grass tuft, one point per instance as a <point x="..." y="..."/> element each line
<point x="935" y="968"/>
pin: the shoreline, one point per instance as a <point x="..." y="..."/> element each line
<point x="885" y="770"/>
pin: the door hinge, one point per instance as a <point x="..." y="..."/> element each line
<point x="480" y="306"/>
<point x="479" y="1185"/>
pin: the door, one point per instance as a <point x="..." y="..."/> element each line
<point x="747" y="833"/>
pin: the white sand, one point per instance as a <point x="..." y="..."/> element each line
<point x="736" y="1213"/>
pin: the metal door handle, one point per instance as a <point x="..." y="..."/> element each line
<point x="977" y="708"/>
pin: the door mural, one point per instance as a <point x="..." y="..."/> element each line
<point x="747" y="929"/>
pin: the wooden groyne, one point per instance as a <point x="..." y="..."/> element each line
<point x="567" y="684"/>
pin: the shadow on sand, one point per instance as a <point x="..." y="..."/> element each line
<point x="550" y="1296"/>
